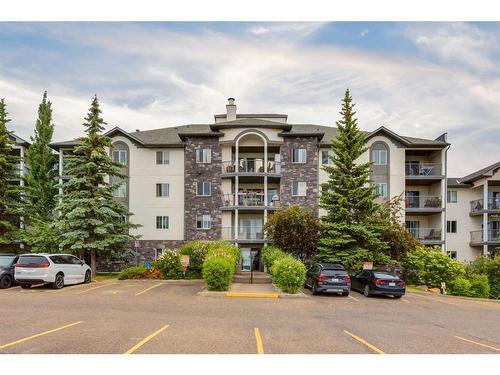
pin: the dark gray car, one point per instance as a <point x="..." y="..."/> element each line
<point x="328" y="278"/>
<point x="7" y="262"/>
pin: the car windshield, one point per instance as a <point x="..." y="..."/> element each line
<point x="32" y="260"/>
<point x="334" y="273"/>
<point x="6" y="261"/>
<point x="385" y="275"/>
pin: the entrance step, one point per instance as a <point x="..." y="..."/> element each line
<point x="258" y="278"/>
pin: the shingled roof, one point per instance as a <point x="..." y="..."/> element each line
<point x="485" y="172"/>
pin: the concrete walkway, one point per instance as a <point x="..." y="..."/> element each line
<point x="253" y="288"/>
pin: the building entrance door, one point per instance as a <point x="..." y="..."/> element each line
<point x="245" y="259"/>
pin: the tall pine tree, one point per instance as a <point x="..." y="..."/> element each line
<point x="41" y="190"/>
<point x="9" y="193"/>
<point x="91" y="220"/>
<point x="351" y="231"/>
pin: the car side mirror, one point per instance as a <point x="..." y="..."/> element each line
<point x="82" y="263"/>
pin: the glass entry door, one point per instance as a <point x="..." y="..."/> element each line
<point x="246" y="259"/>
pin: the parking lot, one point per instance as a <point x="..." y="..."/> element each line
<point x="152" y="316"/>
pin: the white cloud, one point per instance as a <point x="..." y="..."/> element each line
<point x="149" y="78"/>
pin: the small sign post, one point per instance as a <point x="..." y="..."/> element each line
<point x="147" y="264"/>
<point x="367" y="265"/>
<point x="184" y="263"/>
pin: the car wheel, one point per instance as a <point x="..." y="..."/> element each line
<point x="59" y="282"/>
<point x="345" y="294"/>
<point x="366" y="291"/>
<point x="397" y="297"/>
<point x="313" y="289"/>
<point x="25" y="285"/>
<point x="5" y="282"/>
<point x="88" y="277"/>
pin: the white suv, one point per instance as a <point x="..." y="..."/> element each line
<point x="57" y="269"/>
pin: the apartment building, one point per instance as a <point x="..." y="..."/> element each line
<point x="473" y="214"/>
<point x="223" y="179"/>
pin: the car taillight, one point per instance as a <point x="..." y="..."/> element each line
<point x="401" y="283"/>
<point x="378" y="282"/>
<point x="43" y="265"/>
<point x="322" y="278"/>
<point x="346" y="279"/>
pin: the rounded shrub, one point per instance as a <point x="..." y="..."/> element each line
<point x="479" y="286"/>
<point x="138" y="272"/>
<point x="491" y="268"/>
<point x="270" y="254"/>
<point x="197" y="251"/>
<point x="460" y="287"/>
<point x="218" y="273"/>
<point x="288" y="274"/>
<point x="170" y="265"/>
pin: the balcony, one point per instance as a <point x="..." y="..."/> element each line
<point x="246" y="234"/>
<point x="428" y="236"/>
<point x="250" y="166"/>
<point x="477" y="206"/>
<point x="477" y="238"/>
<point x="423" y="173"/>
<point x="423" y="204"/>
<point x="249" y="201"/>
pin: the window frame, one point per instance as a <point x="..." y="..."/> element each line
<point x="164" y="161"/>
<point x="300" y="151"/>
<point x="378" y="184"/>
<point x="451" y="193"/>
<point x="160" y="219"/>
<point x="298" y="192"/>
<point x="159" y="189"/>
<point x="203" y="221"/>
<point x="203" y="188"/>
<point x="121" y="188"/>
<point x="452" y="254"/>
<point x="204" y="152"/>
<point x="120" y="152"/>
<point x="329" y="154"/>
<point x="377" y="159"/>
<point x="451" y="226"/>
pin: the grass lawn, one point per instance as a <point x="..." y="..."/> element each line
<point x="104" y="276"/>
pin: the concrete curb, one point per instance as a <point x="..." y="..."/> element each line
<point x="425" y="292"/>
<point x="251" y="295"/>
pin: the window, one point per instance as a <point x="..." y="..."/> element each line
<point x="379" y="157"/>
<point x="203" y="189"/>
<point x="299" y="188"/>
<point x="162" y="157"/>
<point x="162" y="190"/>
<point x="451" y="196"/>
<point x="162" y="222"/>
<point x="325" y="157"/>
<point x="299" y="155"/>
<point x="120" y="191"/>
<point x="203" y="221"/>
<point x="380" y="189"/>
<point x="203" y="155"/>
<point x="120" y="156"/>
<point x="451" y="226"/>
<point x="158" y="253"/>
<point x="452" y="254"/>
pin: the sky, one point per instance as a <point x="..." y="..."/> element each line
<point x="419" y="79"/>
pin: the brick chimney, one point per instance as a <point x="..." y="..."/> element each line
<point x="230" y="110"/>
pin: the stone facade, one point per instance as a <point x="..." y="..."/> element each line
<point x="202" y="172"/>
<point x="307" y="172"/>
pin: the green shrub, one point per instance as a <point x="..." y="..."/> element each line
<point x="270" y="254"/>
<point x="479" y="286"/>
<point x="138" y="272"/>
<point x="289" y="274"/>
<point x="218" y="273"/>
<point x="197" y="251"/>
<point x="460" y="287"/>
<point x="491" y="268"/>
<point x="431" y="267"/>
<point x="170" y="265"/>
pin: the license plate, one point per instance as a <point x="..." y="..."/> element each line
<point x="392" y="284"/>
<point x="334" y="290"/>
<point x="335" y="280"/>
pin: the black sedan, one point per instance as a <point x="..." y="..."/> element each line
<point x="7" y="262"/>
<point x="370" y="282"/>
<point x="330" y="278"/>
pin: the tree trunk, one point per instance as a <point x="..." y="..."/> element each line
<point x="93" y="256"/>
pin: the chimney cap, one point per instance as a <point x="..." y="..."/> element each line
<point x="230" y="101"/>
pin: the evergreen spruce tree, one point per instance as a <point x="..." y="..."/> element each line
<point x="9" y="193"/>
<point x="91" y="220"/>
<point x="41" y="190"/>
<point x="351" y="231"/>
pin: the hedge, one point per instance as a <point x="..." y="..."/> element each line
<point x="138" y="272"/>
<point x="288" y="274"/>
<point x="219" y="265"/>
<point x="470" y="286"/>
<point x="270" y="254"/>
<point x="491" y="268"/>
<point x="197" y="251"/>
<point x="170" y="265"/>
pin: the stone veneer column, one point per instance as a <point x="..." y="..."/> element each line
<point x="307" y="172"/>
<point x="198" y="172"/>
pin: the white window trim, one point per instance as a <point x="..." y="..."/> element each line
<point x="330" y="154"/>
<point x="203" y="189"/>
<point x="298" y="155"/>
<point x="203" y="221"/>
<point x="162" y="222"/>
<point x="208" y="154"/>
<point x="168" y="188"/>
<point x="122" y="188"/>
<point x="164" y="161"/>
<point x="448" y="196"/>
<point x="120" y="152"/>
<point x="304" y="192"/>
<point x="376" y="160"/>
<point x="376" y="186"/>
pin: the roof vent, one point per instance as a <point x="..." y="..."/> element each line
<point x="137" y="130"/>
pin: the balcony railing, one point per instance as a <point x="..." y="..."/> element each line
<point x="476" y="236"/>
<point x="477" y="205"/>
<point x="245" y="233"/>
<point x="249" y="199"/>
<point x="423" y="201"/>
<point x="423" y="169"/>
<point x="250" y="165"/>
<point x="426" y="234"/>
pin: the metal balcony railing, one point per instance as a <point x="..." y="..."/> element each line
<point x="244" y="233"/>
<point x="423" y="169"/>
<point x="423" y="201"/>
<point x="476" y="236"/>
<point x="426" y="234"/>
<point x="251" y="165"/>
<point x="477" y="205"/>
<point x="249" y="199"/>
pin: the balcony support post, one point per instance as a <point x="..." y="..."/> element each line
<point x="485" y="218"/>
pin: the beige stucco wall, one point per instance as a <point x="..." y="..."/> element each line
<point x="143" y="203"/>
<point x="231" y="134"/>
